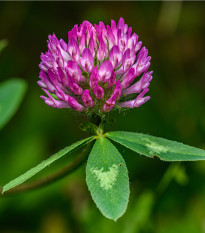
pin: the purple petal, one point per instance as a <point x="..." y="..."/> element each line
<point x="129" y="32"/>
<point x="127" y="60"/>
<point x="82" y="40"/>
<point x="46" y="61"/>
<point x="74" y="71"/>
<point x="128" y="78"/>
<point x="133" y="44"/>
<point x="42" y="84"/>
<point x="98" y="91"/>
<point x="87" y="60"/>
<point x="110" y="37"/>
<point x="53" y="102"/>
<point x="73" y="86"/>
<point x="62" y="77"/>
<point x="93" y="80"/>
<point x="138" y="46"/>
<point x="43" y="67"/>
<point x="117" y="91"/>
<point x="114" y="29"/>
<point x="111" y="82"/>
<point x="87" y="100"/>
<point x="142" y="67"/>
<point x="63" y="44"/>
<point x="73" y="33"/>
<point x="105" y="71"/>
<point x="60" y="61"/>
<point x="142" y="84"/>
<point x="127" y="104"/>
<point x="137" y="102"/>
<point x="92" y="46"/>
<point x="121" y="24"/>
<point x="101" y="29"/>
<point x="102" y="50"/>
<point x="53" y="78"/>
<point x="115" y="56"/>
<point x="74" y="50"/>
<point x="47" y="82"/>
<point x="61" y="95"/>
<point x="54" y="46"/>
<point x="141" y="99"/>
<point x="75" y="105"/>
<point x="122" y="42"/>
<point x="109" y="104"/>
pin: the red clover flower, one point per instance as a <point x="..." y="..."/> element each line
<point x="99" y="69"/>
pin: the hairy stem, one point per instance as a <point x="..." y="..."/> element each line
<point x="80" y="159"/>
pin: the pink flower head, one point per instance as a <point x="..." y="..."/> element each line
<point x="98" y="67"/>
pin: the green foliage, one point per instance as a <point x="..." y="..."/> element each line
<point x="3" y="44"/>
<point x="154" y="146"/>
<point x="44" y="164"/>
<point x="11" y="95"/>
<point x="107" y="179"/>
<point x="138" y="218"/>
<point x="176" y="110"/>
<point x="176" y="172"/>
<point x="106" y="172"/>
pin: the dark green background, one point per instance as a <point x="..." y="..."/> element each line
<point x="174" y="34"/>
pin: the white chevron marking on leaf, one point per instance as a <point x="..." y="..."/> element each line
<point x="106" y="178"/>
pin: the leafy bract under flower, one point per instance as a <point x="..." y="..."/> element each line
<point x="100" y="68"/>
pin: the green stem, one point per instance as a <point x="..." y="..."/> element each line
<point x="79" y="160"/>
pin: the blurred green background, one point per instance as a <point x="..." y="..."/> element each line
<point x="164" y="198"/>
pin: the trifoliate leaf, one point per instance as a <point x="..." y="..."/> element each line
<point x="107" y="179"/>
<point x="45" y="163"/>
<point x="150" y="146"/>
